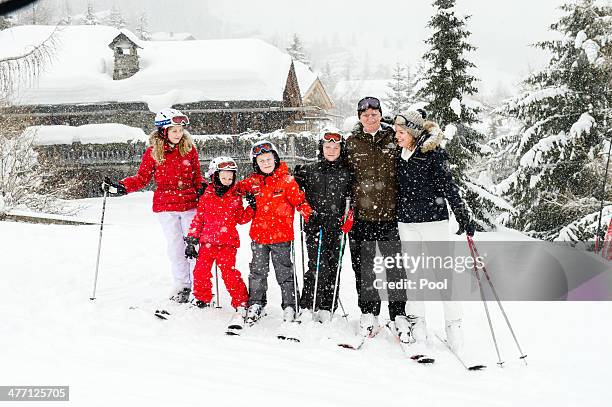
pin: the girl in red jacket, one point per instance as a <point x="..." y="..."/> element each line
<point x="172" y="160"/>
<point x="214" y="229"/>
<point x="274" y="195"/>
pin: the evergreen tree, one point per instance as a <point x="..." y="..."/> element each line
<point x="296" y="50"/>
<point x="115" y="19"/>
<point x="399" y="97"/>
<point x="90" y="16"/>
<point x="566" y="114"/>
<point x="5" y="23"/>
<point x="142" y="27"/>
<point x="443" y="85"/>
<point x="446" y="77"/>
<point x="66" y="14"/>
<point x="328" y="77"/>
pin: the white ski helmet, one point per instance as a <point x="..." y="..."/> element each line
<point x="262" y="146"/>
<point x="222" y="163"/>
<point x="170" y="117"/>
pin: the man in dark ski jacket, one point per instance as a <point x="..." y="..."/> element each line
<point x="371" y="159"/>
<point x="327" y="184"/>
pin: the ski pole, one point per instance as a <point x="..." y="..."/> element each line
<point x="217" y="285"/>
<point x="93" y="295"/>
<point x="295" y="284"/>
<point x="347" y="208"/>
<point x="337" y="282"/>
<point x="302" y="246"/>
<point x="603" y="189"/>
<point x="501" y="308"/>
<point x="314" y="298"/>
<point x="484" y="302"/>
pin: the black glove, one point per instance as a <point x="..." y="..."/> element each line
<point x="112" y="187"/>
<point x="315" y="219"/>
<point x="200" y="191"/>
<point x="190" y="250"/>
<point x="250" y="198"/>
<point x="468" y="228"/>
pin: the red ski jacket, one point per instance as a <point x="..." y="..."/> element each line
<point x="277" y="197"/>
<point x="217" y="216"/>
<point x="177" y="179"/>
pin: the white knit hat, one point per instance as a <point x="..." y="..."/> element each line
<point x="412" y="120"/>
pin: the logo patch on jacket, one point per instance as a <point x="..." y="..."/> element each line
<point x="277" y="192"/>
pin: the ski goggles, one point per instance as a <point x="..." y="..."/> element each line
<point x="368" y="102"/>
<point x="173" y="121"/>
<point x="402" y="121"/>
<point x="332" y="137"/>
<point x="227" y="166"/>
<point x="261" y="148"/>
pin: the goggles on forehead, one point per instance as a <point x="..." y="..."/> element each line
<point x="227" y="166"/>
<point x="368" y="102"/>
<point x="332" y="137"/>
<point x="402" y="121"/>
<point x="175" y="120"/>
<point x="261" y="148"/>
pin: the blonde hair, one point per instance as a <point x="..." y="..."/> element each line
<point x="157" y="142"/>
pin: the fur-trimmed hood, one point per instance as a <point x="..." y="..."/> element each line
<point x="432" y="137"/>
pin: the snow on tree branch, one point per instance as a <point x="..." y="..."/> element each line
<point x="24" y="68"/>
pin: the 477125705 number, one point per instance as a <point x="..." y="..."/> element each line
<point x="34" y="393"/>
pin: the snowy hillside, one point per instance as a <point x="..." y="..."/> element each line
<point x="112" y="351"/>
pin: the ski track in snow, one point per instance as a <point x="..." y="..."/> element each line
<point x="52" y="334"/>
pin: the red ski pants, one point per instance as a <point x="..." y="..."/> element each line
<point x="225" y="256"/>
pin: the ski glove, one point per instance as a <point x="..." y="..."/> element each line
<point x="201" y="190"/>
<point x="190" y="250"/>
<point x="250" y="198"/>
<point x="114" y="188"/>
<point x="315" y="219"/>
<point x="348" y="221"/>
<point x="469" y="228"/>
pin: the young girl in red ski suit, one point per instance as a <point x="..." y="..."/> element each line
<point x="172" y="160"/>
<point x="214" y="229"/>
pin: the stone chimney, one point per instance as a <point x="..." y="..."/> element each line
<point x="126" y="57"/>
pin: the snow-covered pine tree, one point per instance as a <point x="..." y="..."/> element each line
<point x="90" y="16"/>
<point x="444" y="84"/>
<point x="115" y="19"/>
<point x="5" y="22"/>
<point x="296" y="50"/>
<point x="22" y="176"/>
<point x="566" y="112"/>
<point x="399" y="96"/>
<point x="142" y="27"/>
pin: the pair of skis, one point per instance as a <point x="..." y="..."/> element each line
<point x="417" y="357"/>
<point x="362" y="339"/>
<point x="285" y="333"/>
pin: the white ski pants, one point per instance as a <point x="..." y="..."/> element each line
<point x="175" y="226"/>
<point x="425" y="233"/>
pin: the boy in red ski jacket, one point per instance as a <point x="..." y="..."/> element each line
<point x="214" y="229"/>
<point x="274" y="195"/>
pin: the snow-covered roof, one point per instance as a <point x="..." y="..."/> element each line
<point x="171" y="72"/>
<point x="87" y="134"/>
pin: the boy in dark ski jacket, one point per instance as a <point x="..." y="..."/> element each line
<point x="327" y="184"/>
<point x="214" y="229"/>
<point x="274" y="195"/>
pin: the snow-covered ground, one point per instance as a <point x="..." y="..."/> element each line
<point x="109" y="354"/>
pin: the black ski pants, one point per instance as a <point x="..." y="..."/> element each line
<point x="365" y="237"/>
<point x="328" y="265"/>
